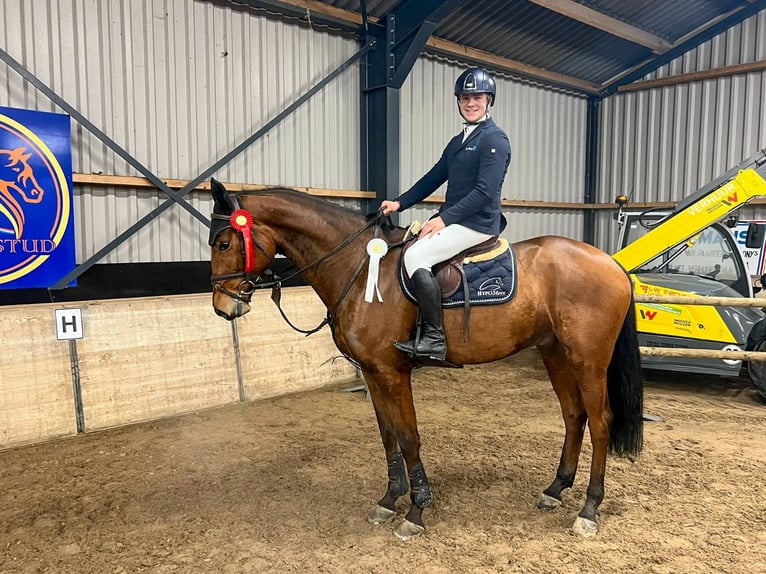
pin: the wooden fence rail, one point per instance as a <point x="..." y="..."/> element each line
<point x="702" y="353"/>
<point x="690" y="300"/>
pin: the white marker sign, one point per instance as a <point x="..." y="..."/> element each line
<point x="68" y="324"/>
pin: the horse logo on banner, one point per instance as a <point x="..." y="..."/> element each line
<point x="17" y="179"/>
<point x="36" y="229"/>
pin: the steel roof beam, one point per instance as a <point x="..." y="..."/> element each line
<point x="693" y="40"/>
<point x="605" y="23"/>
<point x="310" y="11"/>
<point x="349" y="20"/>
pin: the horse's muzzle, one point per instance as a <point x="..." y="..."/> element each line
<point x="228" y="307"/>
<point x="238" y="310"/>
<point x="225" y="315"/>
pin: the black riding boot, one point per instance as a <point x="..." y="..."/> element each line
<point x="431" y="343"/>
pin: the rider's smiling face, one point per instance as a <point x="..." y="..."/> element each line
<point x="473" y="107"/>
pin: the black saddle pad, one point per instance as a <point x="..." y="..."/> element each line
<point x="490" y="282"/>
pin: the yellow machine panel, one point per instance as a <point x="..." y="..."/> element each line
<point x="746" y="185"/>
<point x="686" y="321"/>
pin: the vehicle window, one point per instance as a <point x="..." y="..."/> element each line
<point x="708" y="254"/>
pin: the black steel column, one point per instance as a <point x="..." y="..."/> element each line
<point x="399" y="36"/>
<point x="591" y="168"/>
<point x="379" y="121"/>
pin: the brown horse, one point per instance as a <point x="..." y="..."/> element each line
<point x="573" y="302"/>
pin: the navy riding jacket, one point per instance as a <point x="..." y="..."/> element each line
<point x="474" y="171"/>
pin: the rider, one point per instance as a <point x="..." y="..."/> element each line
<point x="474" y="165"/>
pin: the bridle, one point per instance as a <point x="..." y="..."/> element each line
<point x="241" y="221"/>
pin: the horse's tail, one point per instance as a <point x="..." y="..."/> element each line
<point x="625" y="387"/>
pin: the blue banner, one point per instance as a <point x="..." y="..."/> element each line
<point x="37" y="241"/>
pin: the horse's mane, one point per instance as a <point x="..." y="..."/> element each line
<point x="323" y="207"/>
<point x="300" y="197"/>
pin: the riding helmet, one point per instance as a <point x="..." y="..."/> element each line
<point x="476" y="81"/>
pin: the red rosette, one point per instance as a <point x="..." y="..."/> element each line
<point x="242" y="220"/>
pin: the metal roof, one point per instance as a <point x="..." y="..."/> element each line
<point x="591" y="46"/>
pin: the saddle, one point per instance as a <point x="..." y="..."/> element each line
<point x="454" y="280"/>
<point x="450" y="273"/>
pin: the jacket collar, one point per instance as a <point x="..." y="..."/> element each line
<point x="480" y="128"/>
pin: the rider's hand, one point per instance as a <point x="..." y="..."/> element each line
<point x="389" y="206"/>
<point x="432" y="226"/>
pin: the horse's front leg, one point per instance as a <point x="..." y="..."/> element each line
<point x="392" y="398"/>
<point x="385" y="510"/>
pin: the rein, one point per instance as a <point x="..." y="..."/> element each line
<point x="276" y="296"/>
<point x="252" y="282"/>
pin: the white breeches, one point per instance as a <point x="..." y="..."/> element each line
<point x="440" y="246"/>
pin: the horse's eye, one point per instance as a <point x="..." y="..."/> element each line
<point x="224" y="245"/>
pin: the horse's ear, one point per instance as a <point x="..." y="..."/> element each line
<point x="223" y="203"/>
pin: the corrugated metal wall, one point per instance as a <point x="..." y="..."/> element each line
<point x="179" y="84"/>
<point x="547" y="133"/>
<point x="662" y="144"/>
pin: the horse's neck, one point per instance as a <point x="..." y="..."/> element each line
<point x="305" y="235"/>
<point x="305" y="238"/>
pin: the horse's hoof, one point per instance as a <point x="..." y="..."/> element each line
<point x="547" y="502"/>
<point x="380" y="515"/>
<point x="585" y="527"/>
<point x="408" y="530"/>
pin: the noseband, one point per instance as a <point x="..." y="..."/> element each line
<point x="245" y="290"/>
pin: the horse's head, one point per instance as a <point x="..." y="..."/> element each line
<point x="17" y="184"/>
<point x="16" y="175"/>
<point x="240" y="253"/>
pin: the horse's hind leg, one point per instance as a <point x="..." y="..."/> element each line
<point x="593" y="392"/>
<point x="575" y="417"/>
<point x="392" y="398"/>
<point x="581" y="389"/>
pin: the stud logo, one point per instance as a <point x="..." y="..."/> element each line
<point x="36" y="220"/>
